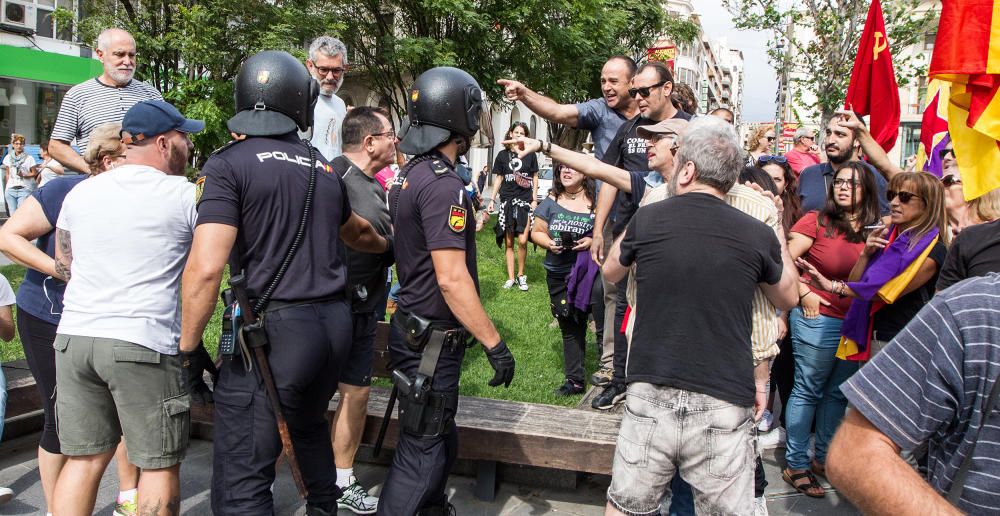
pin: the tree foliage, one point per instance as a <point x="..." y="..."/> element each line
<point x="821" y="41"/>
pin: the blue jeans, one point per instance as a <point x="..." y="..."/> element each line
<point x="14" y="198"/>
<point x="3" y="399"/>
<point x="816" y="391"/>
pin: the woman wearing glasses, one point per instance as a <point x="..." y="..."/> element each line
<point x="962" y="214"/>
<point x="761" y="142"/>
<point x="831" y="239"/>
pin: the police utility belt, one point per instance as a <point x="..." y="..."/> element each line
<point x="422" y="411"/>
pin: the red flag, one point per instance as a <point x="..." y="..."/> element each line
<point x="873" y="90"/>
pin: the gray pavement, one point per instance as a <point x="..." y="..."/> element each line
<point x="19" y="471"/>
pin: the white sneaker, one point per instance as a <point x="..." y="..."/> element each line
<point x="509" y="283"/>
<point x="6" y="495"/>
<point x="522" y="282"/>
<point x="771" y="440"/>
<point x="357" y="500"/>
<point x="766" y="422"/>
<point x="759" y="506"/>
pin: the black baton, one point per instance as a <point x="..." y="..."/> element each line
<point x="385" y="421"/>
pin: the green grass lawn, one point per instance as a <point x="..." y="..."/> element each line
<point x="521" y="317"/>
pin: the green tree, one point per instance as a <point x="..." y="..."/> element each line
<point x="821" y="41"/>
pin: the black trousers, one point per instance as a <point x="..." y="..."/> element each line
<point x="37" y="337"/>
<point x="421" y="465"/>
<point x="621" y="341"/>
<point x="572" y="326"/>
<point x="783" y="373"/>
<point x="308" y="345"/>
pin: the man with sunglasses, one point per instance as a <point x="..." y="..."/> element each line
<point x="327" y="64"/>
<point x="651" y="88"/>
<point x="805" y="152"/>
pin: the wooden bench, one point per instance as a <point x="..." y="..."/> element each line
<point x="491" y="432"/>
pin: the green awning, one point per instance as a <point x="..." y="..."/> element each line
<point x="34" y="65"/>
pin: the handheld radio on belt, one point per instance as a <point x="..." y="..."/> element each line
<point x="251" y="335"/>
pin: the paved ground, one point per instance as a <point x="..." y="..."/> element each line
<point x="19" y="471"/>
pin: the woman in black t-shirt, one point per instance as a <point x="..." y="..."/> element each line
<point x="564" y="223"/>
<point x="516" y="184"/>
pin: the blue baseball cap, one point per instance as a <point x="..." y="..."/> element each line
<point x="151" y="118"/>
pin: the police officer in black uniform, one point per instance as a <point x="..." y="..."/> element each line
<point x="252" y="198"/>
<point x="438" y="307"/>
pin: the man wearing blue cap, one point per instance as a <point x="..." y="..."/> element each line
<point x="121" y="242"/>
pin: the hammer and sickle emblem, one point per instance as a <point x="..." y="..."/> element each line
<point x="880" y="44"/>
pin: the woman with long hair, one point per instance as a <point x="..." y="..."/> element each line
<point x="516" y="185"/>
<point x="19" y="173"/>
<point x="39" y="303"/>
<point x="761" y="141"/>
<point x="787" y="183"/>
<point x="962" y="214"/>
<point x="896" y="273"/>
<point x="564" y="223"/>
<point x="831" y="239"/>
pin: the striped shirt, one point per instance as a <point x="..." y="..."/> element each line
<point x="764" y="317"/>
<point x="92" y="103"/>
<point x="931" y="385"/>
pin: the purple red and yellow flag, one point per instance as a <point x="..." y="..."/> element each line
<point x="934" y="127"/>
<point x="967" y="55"/>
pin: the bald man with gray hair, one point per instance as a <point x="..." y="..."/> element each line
<point x="327" y="63"/>
<point x="100" y="100"/>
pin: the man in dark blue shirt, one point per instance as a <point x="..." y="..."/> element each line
<point x="842" y="146"/>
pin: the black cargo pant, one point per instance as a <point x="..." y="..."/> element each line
<point x="421" y="465"/>
<point x="309" y="343"/>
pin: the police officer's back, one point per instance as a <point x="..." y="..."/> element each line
<point x="439" y="305"/>
<point x="255" y="203"/>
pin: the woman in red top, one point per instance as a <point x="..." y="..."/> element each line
<point x="832" y="240"/>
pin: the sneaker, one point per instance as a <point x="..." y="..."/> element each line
<point x="6" y="495"/>
<point x="612" y="395"/>
<point x="759" y="506"/>
<point x="569" y="388"/>
<point x="766" y="423"/>
<point x="126" y="508"/>
<point x="602" y="377"/>
<point x="771" y="440"/>
<point x="522" y="282"/>
<point x="509" y="283"/>
<point x="357" y="500"/>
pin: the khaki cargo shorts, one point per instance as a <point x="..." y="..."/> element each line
<point x="108" y="388"/>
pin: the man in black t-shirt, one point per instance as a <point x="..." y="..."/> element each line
<point x="690" y="372"/>
<point x="252" y="194"/>
<point x="439" y="306"/>
<point x="651" y="87"/>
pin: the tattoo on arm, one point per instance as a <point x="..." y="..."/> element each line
<point x="64" y="254"/>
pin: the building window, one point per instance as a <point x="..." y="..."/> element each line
<point x="29" y="108"/>
<point x="910" y="138"/>
<point x="929" y="40"/>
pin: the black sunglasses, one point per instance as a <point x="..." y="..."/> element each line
<point x="644" y="91"/>
<point x="770" y="158"/>
<point x="950" y="180"/>
<point x="770" y="138"/>
<point x="904" y="197"/>
<point x="943" y="153"/>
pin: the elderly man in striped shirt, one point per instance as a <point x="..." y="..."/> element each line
<point x="102" y="99"/>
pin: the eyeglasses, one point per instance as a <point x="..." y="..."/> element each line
<point x="657" y="137"/>
<point x="943" y="153"/>
<point x="390" y="133"/>
<point x="904" y="197"/>
<point x="324" y="71"/>
<point x="841" y="182"/>
<point x="950" y="180"/>
<point x="644" y="91"/>
<point x="770" y="138"/>
<point x="771" y="158"/>
<point x="805" y="137"/>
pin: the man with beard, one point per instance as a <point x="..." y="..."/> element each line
<point x="651" y="88"/>
<point x="842" y="146"/>
<point x="121" y="241"/>
<point x="100" y="100"/>
<point x="327" y="64"/>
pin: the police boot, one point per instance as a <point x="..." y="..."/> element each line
<point x="438" y="510"/>
<point x="326" y="510"/>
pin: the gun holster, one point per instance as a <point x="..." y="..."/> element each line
<point x="423" y="411"/>
<point x="416" y="330"/>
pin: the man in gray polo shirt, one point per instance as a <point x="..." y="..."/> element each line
<point x="930" y="386"/>
<point x="99" y="100"/>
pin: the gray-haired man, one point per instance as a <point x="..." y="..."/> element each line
<point x="327" y="63"/>
<point x="805" y="152"/>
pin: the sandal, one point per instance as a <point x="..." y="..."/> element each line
<point x="803" y="487"/>
<point x="818" y="468"/>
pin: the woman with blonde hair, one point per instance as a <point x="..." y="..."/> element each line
<point x="761" y="142"/>
<point x="39" y="302"/>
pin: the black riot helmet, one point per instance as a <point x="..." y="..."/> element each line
<point x="442" y="102"/>
<point x="274" y="94"/>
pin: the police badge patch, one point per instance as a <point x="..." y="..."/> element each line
<point x="456" y="218"/>
<point x="199" y="187"/>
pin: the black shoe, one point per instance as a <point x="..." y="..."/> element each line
<point x="612" y="395"/>
<point x="569" y="388"/>
<point x="438" y="510"/>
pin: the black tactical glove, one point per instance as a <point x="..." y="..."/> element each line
<point x="194" y="365"/>
<point x="502" y="362"/>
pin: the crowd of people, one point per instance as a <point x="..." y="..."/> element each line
<point x="718" y="276"/>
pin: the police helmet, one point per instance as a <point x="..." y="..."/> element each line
<point x="443" y="101"/>
<point x="274" y="94"/>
